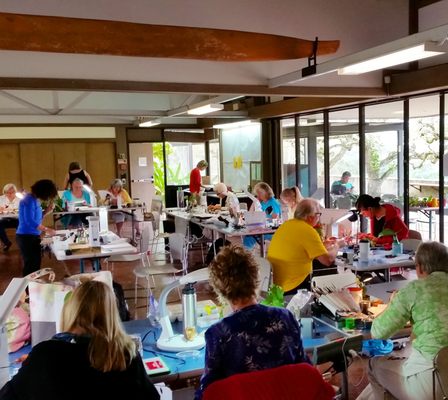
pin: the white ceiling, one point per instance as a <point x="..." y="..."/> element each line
<point x="357" y="24"/>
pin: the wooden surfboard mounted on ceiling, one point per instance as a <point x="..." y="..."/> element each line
<point x="88" y="36"/>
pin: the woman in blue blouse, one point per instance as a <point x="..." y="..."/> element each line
<point x="30" y="223"/>
<point x="253" y="337"/>
<point x="269" y="204"/>
<point x="77" y="195"/>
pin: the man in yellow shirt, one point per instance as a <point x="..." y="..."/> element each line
<point x="296" y="244"/>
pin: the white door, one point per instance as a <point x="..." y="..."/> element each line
<point x="142" y="172"/>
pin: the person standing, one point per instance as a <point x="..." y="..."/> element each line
<point x="9" y="203"/>
<point x="196" y="180"/>
<point x="75" y="171"/>
<point x="30" y="223"/>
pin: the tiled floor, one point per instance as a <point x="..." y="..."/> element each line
<point x="10" y="266"/>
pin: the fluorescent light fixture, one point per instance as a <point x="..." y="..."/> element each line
<point x="147" y="123"/>
<point x="414" y="53"/>
<point x="207" y="109"/>
<point x="234" y="125"/>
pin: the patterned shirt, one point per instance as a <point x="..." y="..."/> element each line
<point x="424" y="303"/>
<point x="254" y="338"/>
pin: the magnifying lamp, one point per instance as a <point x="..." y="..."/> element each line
<point x="168" y="340"/>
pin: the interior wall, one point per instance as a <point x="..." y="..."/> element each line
<point x="23" y="163"/>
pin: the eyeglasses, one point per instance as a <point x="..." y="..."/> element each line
<point x="317" y="214"/>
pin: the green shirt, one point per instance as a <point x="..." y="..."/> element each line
<point x="423" y="302"/>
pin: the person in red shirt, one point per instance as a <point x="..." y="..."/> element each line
<point x="195" y="178"/>
<point x="382" y="217"/>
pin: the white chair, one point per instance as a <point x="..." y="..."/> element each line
<point x="264" y="274"/>
<point x="410" y="244"/>
<point x="103" y="194"/>
<point x="440" y="375"/>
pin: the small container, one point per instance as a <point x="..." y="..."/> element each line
<point x="189" y="311"/>
<point x="365" y="304"/>
<point x="364" y="250"/>
<point x="138" y="343"/>
<point x="350" y="323"/>
<point x="397" y="247"/>
<point x="356" y="293"/>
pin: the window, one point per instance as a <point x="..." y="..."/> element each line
<point x="214" y="167"/>
<point x="181" y="159"/>
<point x="287" y="127"/>
<point x="344" y="157"/>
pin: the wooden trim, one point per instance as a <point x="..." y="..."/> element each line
<point x="422" y="80"/>
<point x="178" y="87"/>
<point x="298" y="105"/>
<point x="424" y="3"/>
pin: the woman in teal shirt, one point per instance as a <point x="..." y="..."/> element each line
<point x="269" y="204"/>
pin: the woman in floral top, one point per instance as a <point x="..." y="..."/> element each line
<point x="424" y="303"/>
<point x="254" y="336"/>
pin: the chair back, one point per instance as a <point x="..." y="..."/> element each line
<point x="289" y="382"/>
<point x="410" y="244"/>
<point x="440" y="374"/>
<point x="344" y="203"/>
<point x="414" y="235"/>
<point x="181" y="226"/>
<point x="146" y="237"/>
<point x="103" y="194"/>
<point x="178" y="249"/>
<point x="243" y="207"/>
<point x="264" y="274"/>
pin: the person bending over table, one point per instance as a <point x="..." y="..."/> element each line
<point x="269" y="204"/>
<point x="423" y="302"/>
<point x="9" y="203"/>
<point x="76" y="194"/>
<point x="75" y="171"/>
<point x="196" y="179"/>
<point x="231" y="199"/>
<point x="92" y="358"/>
<point x="253" y="337"/>
<point x="30" y="223"/>
<point x="295" y="245"/>
<point x="291" y="197"/>
<point x="382" y="216"/>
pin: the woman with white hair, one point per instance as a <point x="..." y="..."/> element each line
<point x="9" y="203"/>
<point x="231" y="199"/>
<point x="423" y="302"/>
<point x="116" y="195"/>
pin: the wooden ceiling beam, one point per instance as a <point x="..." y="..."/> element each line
<point x="422" y="80"/>
<point x="294" y="106"/>
<point x="96" y="85"/>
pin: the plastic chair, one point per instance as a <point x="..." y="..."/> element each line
<point x="264" y="274"/>
<point x="410" y="244"/>
<point x="440" y="375"/>
<point x="289" y="382"/>
<point x="414" y="234"/>
<point x="103" y="194"/>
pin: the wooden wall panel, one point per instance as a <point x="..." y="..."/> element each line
<point x="10" y="165"/>
<point x="64" y="154"/>
<point x="101" y="163"/>
<point x="37" y="162"/>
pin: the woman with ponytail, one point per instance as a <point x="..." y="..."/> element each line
<point x="92" y="358"/>
<point x="382" y="217"/>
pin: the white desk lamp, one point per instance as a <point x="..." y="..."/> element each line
<point x="92" y="194"/>
<point x="168" y="340"/>
<point x="8" y="301"/>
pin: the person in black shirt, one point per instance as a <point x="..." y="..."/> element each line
<point x="75" y="171"/>
<point x="92" y="359"/>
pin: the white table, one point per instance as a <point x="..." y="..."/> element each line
<point x="227" y="231"/>
<point x="378" y="261"/>
<point x="116" y="247"/>
<point x="383" y="290"/>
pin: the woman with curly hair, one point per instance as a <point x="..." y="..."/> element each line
<point x="254" y="336"/>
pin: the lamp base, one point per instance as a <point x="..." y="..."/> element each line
<point x="179" y="343"/>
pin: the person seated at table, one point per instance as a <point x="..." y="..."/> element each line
<point x="30" y="223"/>
<point x="75" y="171"/>
<point x="116" y="194"/>
<point x="92" y="358"/>
<point x="382" y="217"/>
<point x="291" y="197"/>
<point x="231" y="200"/>
<point x="78" y="196"/>
<point x="9" y="204"/>
<point x="296" y="244"/>
<point x="342" y="186"/>
<point x="269" y="204"/>
<point x="254" y="336"/>
<point x="423" y="302"/>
